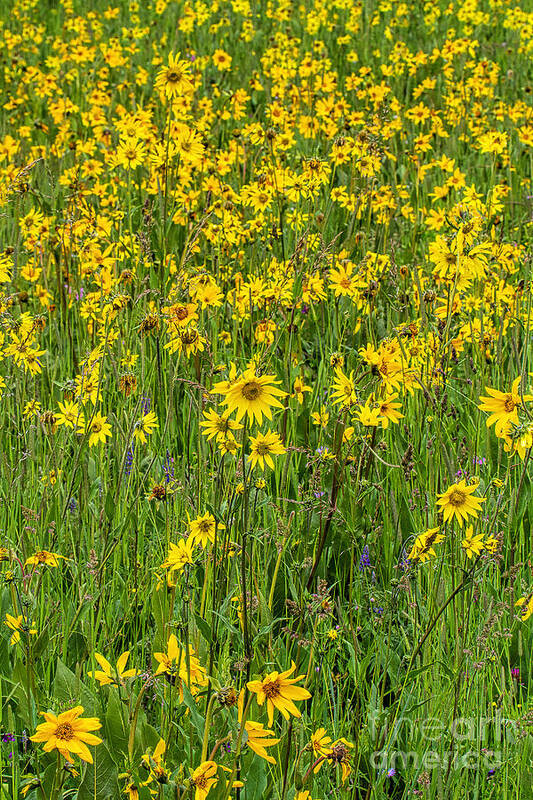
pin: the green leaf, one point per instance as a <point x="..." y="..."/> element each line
<point x="70" y="690"/>
<point x="100" y="779"/>
<point x="203" y="627"/>
<point x="256" y="779"/>
<point x="116" y="725"/>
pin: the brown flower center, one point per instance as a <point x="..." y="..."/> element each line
<point x="65" y="731"/>
<point x="271" y="689"/>
<point x="457" y="498"/>
<point x="509" y="404"/>
<point x="251" y="390"/>
<point x="262" y="449"/>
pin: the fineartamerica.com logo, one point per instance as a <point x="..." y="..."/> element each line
<point x="468" y="743"/>
<point x="394" y="760"/>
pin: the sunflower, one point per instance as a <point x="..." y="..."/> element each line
<point x="279" y="692"/>
<point x="344" y="388"/>
<point x="68" y="733"/>
<point x="457" y="501"/>
<point x="174" y="79"/>
<point x="503" y="406"/>
<point x="263" y="447"/>
<point x="218" y="425"/>
<point x="252" y="395"/>
<point x="203" y="529"/>
<point x="472" y="544"/>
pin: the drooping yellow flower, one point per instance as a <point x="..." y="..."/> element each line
<point x="422" y="549"/>
<point x="503" y="406"/>
<point x="258" y="738"/>
<point x="298" y="389"/>
<point x="279" y="692"/>
<point x="263" y="447"/>
<point x="69" y="733"/>
<point x="457" y="501"/>
<point x="339" y="755"/>
<point x="252" y="395"/>
<point x="107" y="675"/>
<point x="18" y="624"/>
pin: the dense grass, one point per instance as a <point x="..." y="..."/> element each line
<point x="333" y="199"/>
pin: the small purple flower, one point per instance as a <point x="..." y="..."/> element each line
<point x="391" y="773"/>
<point x="146" y="404"/>
<point x="364" y="560"/>
<point x="129" y="459"/>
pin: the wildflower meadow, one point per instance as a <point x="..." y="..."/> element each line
<point x="266" y="380"/>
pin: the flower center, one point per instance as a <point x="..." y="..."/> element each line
<point x="262" y="449"/>
<point x="181" y="312"/>
<point x="251" y="390"/>
<point x="173" y="76"/>
<point x="96" y="427"/>
<point x="271" y="689"/>
<point x="509" y="404"/>
<point x="457" y="498"/>
<point x="65" y="731"/>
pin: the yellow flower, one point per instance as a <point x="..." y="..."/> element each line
<point x="107" y="676"/>
<point x="174" y="80"/>
<point x="218" y="425"/>
<point x="43" y="557"/>
<point x="263" y="447"/>
<point x="203" y="779"/>
<point x="177" y="664"/>
<point x="98" y="429"/>
<point x="298" y="389"/>
<point x="344" y="389"/>
<point x="423" y="546"/>
<point x="252" y="395"/>
<point x="68" y="733"/>
<point x="18" y="624"/>
<point x="472" y="544"/>
<point x="457" y="501"/>
<point x="258" y="739"/>
<point x="321" y="744"/>
<point x="339" y="754"/>
<point x="320" y="417"/>
<point x="203" y="529"/>
<point x="503" y="406"/>
<point x="69" y="415"/>
<point x="279" y="692"/>
<point x="145" y="426"/>
<point x="526" y="606"/>
<point x="179" y="555"/>
<point x="368" y="416"/>
<point x="389" y="410"/>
